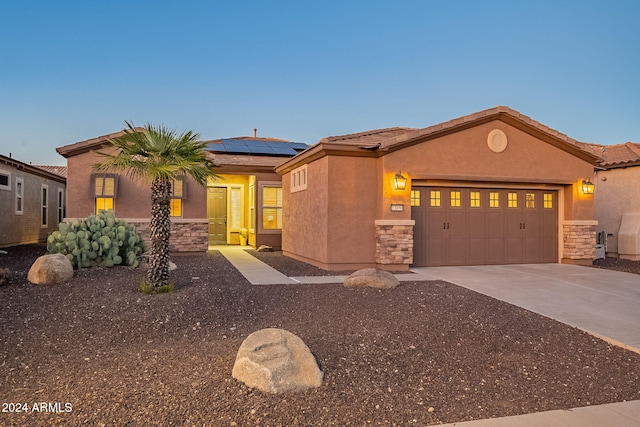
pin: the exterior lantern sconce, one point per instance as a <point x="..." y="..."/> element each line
<point x="587" y="186"/>
<point x="399" y="181"/>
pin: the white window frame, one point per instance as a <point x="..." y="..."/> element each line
<point x="60" y="201"/>
<point x="19" y="196"/>
<point x="8" y="175"/>
<point x="252" y="207"/>
<point x="44" y="211"/>
<point x="260" y="219"/>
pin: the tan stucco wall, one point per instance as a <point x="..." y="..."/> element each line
<point x="133" y="198"/>
<point x="334" y="219"/>
<point x="352" y="209"/>
<point x="615" y="195"/>
<point x="305" y="215"/>
<point x="465" y="156"/>
<point x="18" y="229"/>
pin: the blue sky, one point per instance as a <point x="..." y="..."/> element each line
<point x="73" y="70"/>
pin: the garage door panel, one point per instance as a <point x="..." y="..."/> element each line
<point x="472" y="226"/>
<point x="457" y="232"/>
<point x="436" y="227"/>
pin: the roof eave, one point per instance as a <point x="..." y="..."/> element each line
<point x="503" y="114"/>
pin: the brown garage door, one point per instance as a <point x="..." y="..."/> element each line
<point x="474" y="226"/>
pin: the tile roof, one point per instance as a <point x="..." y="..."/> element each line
<point x="370" y="138"/>
<point x="89" y="144"/>
<point x="619" y="155"/>
<point x="246" y="160"/>
<point x="383" y="141"/>
<point x="44" y="172"/>
<point x="394" y="138"/>
<point x="56" y="170"/>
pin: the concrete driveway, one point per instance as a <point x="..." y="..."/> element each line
<point x="602" y="302"/>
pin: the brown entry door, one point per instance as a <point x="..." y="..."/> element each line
<point x="217" y="213"/>
<point x="475" y="226"/>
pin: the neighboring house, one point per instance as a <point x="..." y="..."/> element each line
<point x="32" y="201"/>
<point x="617" y="199"/>
<point x="246" y="195"/>
<point x="494" y="187"/>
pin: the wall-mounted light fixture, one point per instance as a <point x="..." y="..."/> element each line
<point x="399" y="181"/>
<point x="587" y="186"/>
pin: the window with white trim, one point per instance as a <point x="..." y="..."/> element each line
<point x="104" y="191"/>
<point x="178" y="194"/>
<point x="271" y="207"/>
<point x="252" y="206"/>
<point x="60" y="205"/>
<point x="299" y="179"/>
<point x="5" y="180"/>
<point x="44" y="221"/>
<point x="19" y="196"/>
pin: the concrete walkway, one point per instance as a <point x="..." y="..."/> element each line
<point x="625" y="414"/>
<point x="254" y="270"/>
<point x="602" y="302"/>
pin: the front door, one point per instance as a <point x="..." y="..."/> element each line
<point x="217" y="213"/>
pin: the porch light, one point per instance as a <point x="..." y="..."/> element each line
<point x="587" y="186"/>
<point x="399" y="181"/>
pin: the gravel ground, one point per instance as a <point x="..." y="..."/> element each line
<point x="424" y="353"/>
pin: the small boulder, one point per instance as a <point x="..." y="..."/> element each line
<point x="50" y="269"/>
<point x="372" y="278"/>
<point x="276" y="361"/>
<point x="5" y="276"/>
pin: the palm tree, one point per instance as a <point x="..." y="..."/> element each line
<point x="158" y="155"/>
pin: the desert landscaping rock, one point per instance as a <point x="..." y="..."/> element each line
<point x="5" y="276"/>
<point x="371" y="278"/>
<point x="124" y="358"/>
<point x="276" y="361"/>
<point x="50" y="269"/>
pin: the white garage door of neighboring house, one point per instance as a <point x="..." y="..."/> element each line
<point x="474" y="226"/>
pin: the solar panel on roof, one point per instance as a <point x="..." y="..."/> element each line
<point x="248" y="146"/>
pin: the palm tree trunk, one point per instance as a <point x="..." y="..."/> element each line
<point x="160" y="227"/>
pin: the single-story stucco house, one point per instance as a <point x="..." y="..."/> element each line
<point x="617" y="199"/>
<point x="32" y="201"/>
<point x="247" y="193"/>
<point x="493" y="187"/>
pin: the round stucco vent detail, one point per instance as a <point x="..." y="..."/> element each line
<point x="497" y="141"/>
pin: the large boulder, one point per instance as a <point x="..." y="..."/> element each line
<point x="50" y="269"/>
<point x="276" y="361"/>
<point x="372" y="278"/>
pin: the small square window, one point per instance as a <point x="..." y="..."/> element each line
<point x="415" y="197"/>
<point x="530" y="201"/>
<point x="5" y="180"/>
<point x="494" y="199"/>
<point x="474" y="199"/>
<point x="512" y="200"/>
<point x="548" y="201"/>
<point x="455" y="199"/>
<point x="434" y="198"/>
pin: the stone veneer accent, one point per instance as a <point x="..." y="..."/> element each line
<point x="186" y="235"/>
<point x="579" y="240"/>
<point x="394" y="242"/>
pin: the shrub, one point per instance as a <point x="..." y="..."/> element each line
<point x="98" y="240"/>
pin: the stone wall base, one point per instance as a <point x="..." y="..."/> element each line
<point x="186" y="235"/>
<point x="579" y="242"/>
<point x="394" y="243"/>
